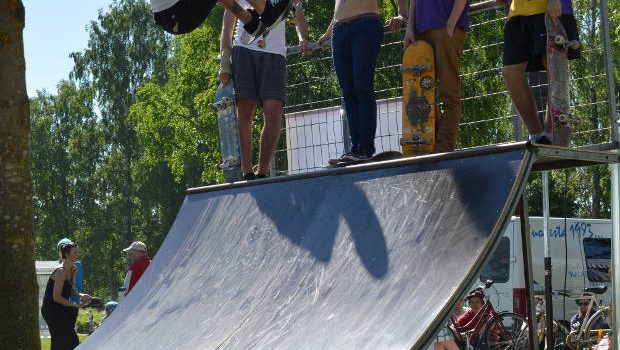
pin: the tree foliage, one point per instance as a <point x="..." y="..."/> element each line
<point x="115" y="147"/>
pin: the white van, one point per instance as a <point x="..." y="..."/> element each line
<point x="580" y="257"/>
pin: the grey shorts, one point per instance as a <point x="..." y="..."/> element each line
<point x="258" y="75"/>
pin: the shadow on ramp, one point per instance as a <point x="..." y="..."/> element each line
<point x="361" y="258"/>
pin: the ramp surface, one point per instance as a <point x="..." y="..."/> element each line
<point x="368" y="258"/>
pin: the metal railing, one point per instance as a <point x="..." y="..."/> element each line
<point x="313" y="130"/>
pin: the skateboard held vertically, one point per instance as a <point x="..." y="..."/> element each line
<point x="419" y="109"/>
<point x="557" y="75"/>
<point x="229" y="133"/>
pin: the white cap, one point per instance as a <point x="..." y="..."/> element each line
<point x="137" y="245"/>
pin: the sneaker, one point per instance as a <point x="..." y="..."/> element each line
<point x="542" y="140"/>
<point x="249" y="176"/>
<point x="347" y="157"/>
<point x="275" y="11"/>
<point x="261" y="176"/>
<point x="253" y="29"/>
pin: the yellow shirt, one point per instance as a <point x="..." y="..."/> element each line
<point x="527" y="7"/>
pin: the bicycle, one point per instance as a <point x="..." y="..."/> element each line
<point x="496" y="330"/>
<point x="593" y="327"/>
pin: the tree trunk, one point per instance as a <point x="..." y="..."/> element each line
<point x="19" y="323"/>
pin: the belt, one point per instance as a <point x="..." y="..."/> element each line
<point x="353" y="18"/>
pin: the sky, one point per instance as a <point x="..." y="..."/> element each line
<point x="54" y="29"/>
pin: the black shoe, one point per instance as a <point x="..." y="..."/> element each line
<point x="253" y="29"/>
<point x="345" y="158"/>
<point x="543" y="140"/>
<point x="261" y="176"/>
<point x="249" y="176"/>
<point x="275" y="11"/>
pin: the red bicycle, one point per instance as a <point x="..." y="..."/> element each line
<point x="489" y="329"/>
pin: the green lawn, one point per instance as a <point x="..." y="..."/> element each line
<point x="81" y="326"/>
<point x="46" y="342"/>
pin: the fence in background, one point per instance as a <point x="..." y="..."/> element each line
<point x="313" y="130"/>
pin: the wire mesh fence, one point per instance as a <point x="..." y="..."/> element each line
<point x="313" y="131"/>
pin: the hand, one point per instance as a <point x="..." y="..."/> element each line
<point x="323" y="40"/>
<point x="85" y="299"/>
<point x="395" y="23"/>
<point x="224" y="78"/>
<point x="450" y="29"/>
<point x="305" y="47"/>
<point x="554" y="9"/>
<point x="409" y="38"/>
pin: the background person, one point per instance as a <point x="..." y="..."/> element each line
<point x="79" y="277"/>
<point x="139" y="261"/>
<point x="57" y="310"/>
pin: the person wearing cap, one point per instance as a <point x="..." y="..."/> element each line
<point x="79" y="277"/>
<point x="471" y="318"/>
<point x="583" y="302"/>
<point x="138" y="256"/>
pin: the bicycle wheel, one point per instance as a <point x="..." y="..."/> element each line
<point x="598" y="326"/>
<point x="506" y="330"/>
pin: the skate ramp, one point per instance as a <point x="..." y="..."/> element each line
<point x="371" y="257"/>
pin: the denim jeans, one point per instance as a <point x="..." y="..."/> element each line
<point x="355" y="47"/>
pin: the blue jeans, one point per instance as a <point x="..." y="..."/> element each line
<point x="355" y="47"/>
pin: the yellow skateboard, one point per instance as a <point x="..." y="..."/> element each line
<point x="419" y="109"/>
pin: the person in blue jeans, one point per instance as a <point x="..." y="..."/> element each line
<point x="356" y="32"/>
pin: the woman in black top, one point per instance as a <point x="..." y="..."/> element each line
<point x="57" y="308"/>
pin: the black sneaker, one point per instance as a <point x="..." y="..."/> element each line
<point x="249" y="176"/>
<point x="345" y="158"/>
<point x="275" y="11"/>
<point x="253" y="29"/>
<point x="543" y="140"/>
<point x="261" y="176"/>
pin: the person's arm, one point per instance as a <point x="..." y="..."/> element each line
<point x="60" y="276"/>
<point x="301" y="27"/>
<point x="455" y="14"/>
<point x="410" y="32"/>
<point x="327" y="35"/>
<point x="226" y="44"/>
<point x="395" y="23"/>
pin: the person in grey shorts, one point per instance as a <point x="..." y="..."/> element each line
<point x="258" y="74"/>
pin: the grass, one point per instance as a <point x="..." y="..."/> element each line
<point x="46" y="343"/>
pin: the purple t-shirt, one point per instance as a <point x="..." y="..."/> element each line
<point x="434" y="14"/>
<point x="567" y="6"/>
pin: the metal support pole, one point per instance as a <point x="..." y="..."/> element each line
<point x="527" y="270"/>
<point x="548" y="283"/>
<point x="615" y="182"/>
<point x="609" y="70"/>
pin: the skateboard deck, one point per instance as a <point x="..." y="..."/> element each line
<point x="229" y="133"/>
<point x="292" y="11"/>
<point x="419" y="109"/>
<point x="557" y="75"/>
<point x="379" y="157"/>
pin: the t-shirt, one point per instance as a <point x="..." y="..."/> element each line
<point x="434" y="14"/>
<point x="137" y="269"/>
<point x="534" y="7"/>
<point x="576" y="321"/>
<point x="275" y="42"/>
<point x="160" y="5"/>
<point x="469" y="320"/>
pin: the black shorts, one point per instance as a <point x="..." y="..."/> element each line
<point x="525" y="40"/>
<point x="184" y="16"/>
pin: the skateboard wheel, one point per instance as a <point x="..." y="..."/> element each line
<point x="574" y="44"/>
<point x="560" y="40"/>
<point x="261" y="43"/>
<point x="563" y="119"/>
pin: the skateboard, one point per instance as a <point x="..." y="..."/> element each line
<point x="292" y="11"/>
<point x="379" y="157"/>
<point x="419" y="109"/>
<point x="229" y="133"/>
<point x="557" y="74"/>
